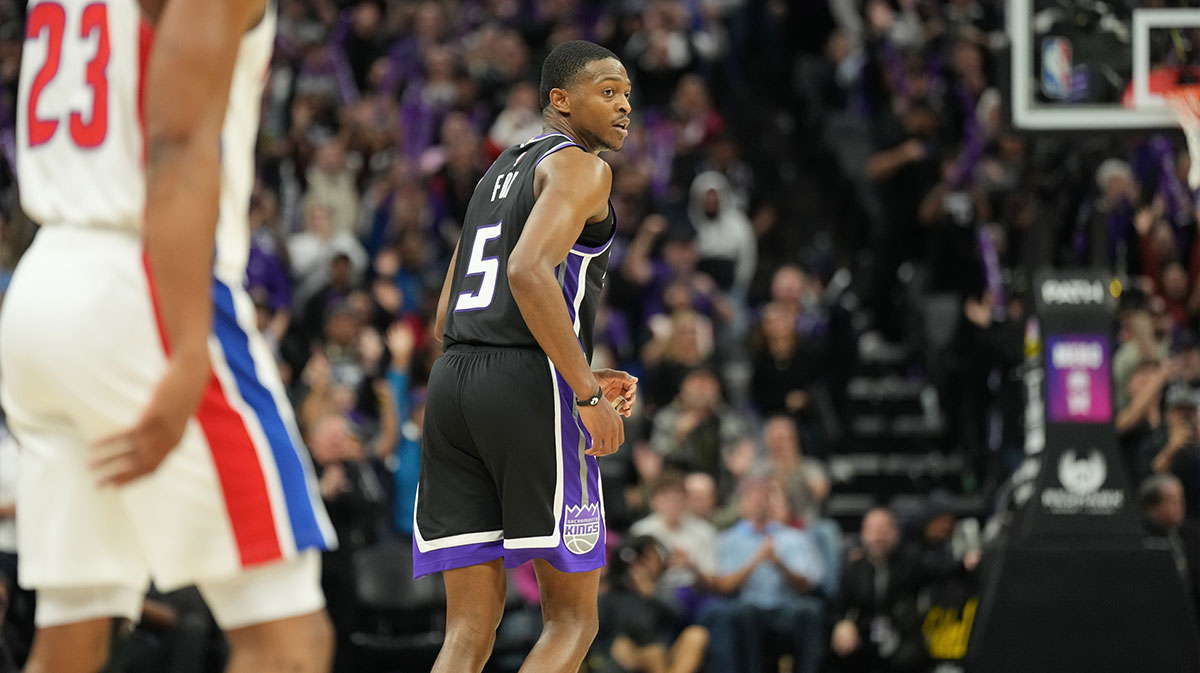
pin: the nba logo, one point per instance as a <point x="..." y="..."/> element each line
<point x="1056" y="68"/>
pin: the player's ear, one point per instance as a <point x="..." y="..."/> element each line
<point x="561" y="101"/>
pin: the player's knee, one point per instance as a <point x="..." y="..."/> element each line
<point x="477" y="630"/>
<point x="578" y="625"/>
<point x="323" y="638"/>
<point x="303" y="645"/>
<point x="82" y="647"/>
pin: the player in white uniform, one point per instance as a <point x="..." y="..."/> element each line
<point x="156" y="439"/>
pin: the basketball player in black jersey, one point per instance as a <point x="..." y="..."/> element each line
<point x="515" y="416"/>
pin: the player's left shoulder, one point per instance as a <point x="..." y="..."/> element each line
<point x="578" y="163"/>
<point x="577" y="171"/>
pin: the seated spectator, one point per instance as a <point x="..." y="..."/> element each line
<point x="310" y="325"/>
<point x="1161" y="497"/>
<point x="806" y="487"/>
<point x="768" y="572"/>
<point x="267" y="274"/>
<point x="1185" y="351"/>
<point x="701" y="493"/>
<point x="724" y="238"/>
<point x="805" y="479"/>
<point x="354" y="499"/>
<point x="1138" y="420"/>
<point x="1175" y="448"/>
<point x="520" y="119"/>
<point x="698" y="432"/>
<point x="785" y="368"/>
<point x="681" y="341"/>
<point x="312" y="251"/>
<point x="876" y="620"/>
<point x="1139" y="343"/>
<point x="676" y="264"/>
<point x="689" y="541"/>
<point x="939" y="556"/>
<point x="1106" y="222"/>
<point x="637" y="631"/>
<point x="331" y="182"/>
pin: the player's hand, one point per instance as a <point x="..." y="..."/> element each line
<point x="614" y="384"/>
<point x="605" y="427"/>
<point x="138" y="451"/>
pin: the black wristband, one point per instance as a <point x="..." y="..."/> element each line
<point x="591" y="401"/>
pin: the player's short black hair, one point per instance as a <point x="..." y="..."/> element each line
<point x="565" y="62"/>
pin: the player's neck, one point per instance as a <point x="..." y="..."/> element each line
<point x="559" y="124"/>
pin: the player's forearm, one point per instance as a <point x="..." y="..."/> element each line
<point x="439" y="321"/>
<point x="540" y="300"/>
<point x="181" y="216"/>
<point x="187" y="89"/>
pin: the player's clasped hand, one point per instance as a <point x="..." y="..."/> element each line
<point x="614" y="384"/>
<point x="138" y="451"/>
<point x="605" y="427"/>
<point x="603" y="421"/>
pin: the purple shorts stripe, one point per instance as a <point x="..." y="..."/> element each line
<point x="571" y="282"/>
<point x="578" y="522"/>
<point x="437" y="560"/>
<point x="560" y="558"/>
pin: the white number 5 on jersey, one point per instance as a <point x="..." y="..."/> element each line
<point x="488" y="267"/>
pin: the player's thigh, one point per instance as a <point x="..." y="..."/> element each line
<point x="534" y="444"/>
<point x="78" y="337"/>
<point x="458" y="515"/>
<point x="475" y="594"/>
<point x="63" y="606"/>
<point x="194" y="521"/>
<point x="567" y="596"/>
<point x="70" y="532"/>
<point x="266" y="593"/>
<point x="514" y="414"/>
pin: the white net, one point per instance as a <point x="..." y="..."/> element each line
<point x="1185" y="103"/>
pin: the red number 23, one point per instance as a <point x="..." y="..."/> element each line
<point x="51" y="18"/>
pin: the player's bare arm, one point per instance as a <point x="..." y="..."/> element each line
<point x="439" y="320"/>
<point x="572" y="189"/>
<point x="187" y="89"/>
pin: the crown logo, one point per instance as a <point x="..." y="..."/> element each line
<point x="588" y="511"/>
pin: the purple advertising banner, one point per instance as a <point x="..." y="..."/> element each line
<point x="1078" y="379"/>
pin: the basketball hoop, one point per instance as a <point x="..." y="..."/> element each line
<point x="1185" y="103"/>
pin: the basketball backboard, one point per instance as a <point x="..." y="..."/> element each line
<point x="1089" y="65"/>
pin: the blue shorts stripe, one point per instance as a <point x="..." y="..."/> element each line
<point x="236" y="345"/>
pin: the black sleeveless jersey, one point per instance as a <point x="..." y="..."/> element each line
<point x="482" y="310"/>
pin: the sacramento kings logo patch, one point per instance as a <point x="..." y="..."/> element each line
<point x="581" y="529"/>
